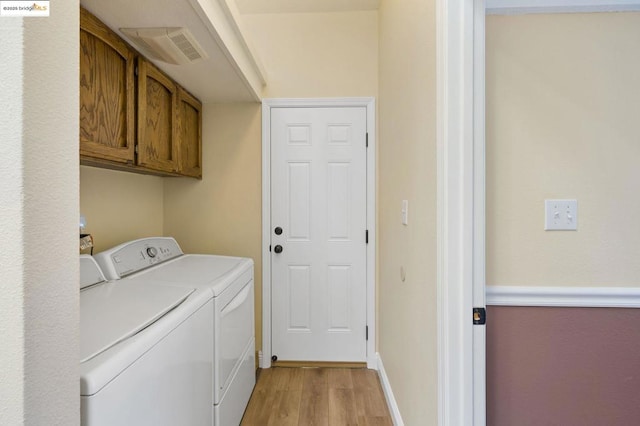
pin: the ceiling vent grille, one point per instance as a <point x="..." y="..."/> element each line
<point x="173" y="45"/>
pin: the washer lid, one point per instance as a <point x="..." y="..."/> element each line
<point x="114" y="311"/>
<point x="90" y="272"/>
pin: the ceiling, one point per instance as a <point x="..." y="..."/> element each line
<point x="216" y="79"/>
<point x="304" y="6"/>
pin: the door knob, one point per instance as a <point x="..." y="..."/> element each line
<point x="278" y="248"/>
<point x="278" y="230"/>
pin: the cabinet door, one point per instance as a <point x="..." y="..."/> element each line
<point x="107" y="115"/>
<point x="190" y="134"/>
<point x="157" y="119"/>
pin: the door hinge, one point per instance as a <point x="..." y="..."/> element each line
<point x="269" y="247"/>
<point x="366" y="237"/>
<point x="367" y="139"/>
<point x="135" y="70"/>
<point x="136" y="148"/>
<point x="366" y="333"/>
<point x="479" y="316"/>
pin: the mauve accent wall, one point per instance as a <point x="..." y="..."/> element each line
<point x="563" y="366"/>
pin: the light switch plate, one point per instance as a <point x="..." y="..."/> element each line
<point x="560" y="215"/>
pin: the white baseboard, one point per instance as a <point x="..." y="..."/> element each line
<point x="388" y="394"/>
<point x="372" y="361"/>
<point x="587" y="297"/>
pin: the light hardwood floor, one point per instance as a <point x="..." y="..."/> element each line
<point x="317" y="396"/>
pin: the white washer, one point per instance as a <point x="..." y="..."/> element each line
<point x="145" y="352"/>
<point x="229" y="281"/>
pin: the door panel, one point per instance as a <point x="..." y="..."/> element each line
<point x="107" y="93"/>
<point x="298" y="288"/>
<point x="299" y="192"/>
<point x="157" y="115"/>
<point x="189" y="134"/>
<point x="318" y="198"/>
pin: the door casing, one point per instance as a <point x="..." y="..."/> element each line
<point x="460" y="34"/>
<point x="267" y="105"/>
<point x="461" y="210"/>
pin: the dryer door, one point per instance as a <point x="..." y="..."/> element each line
<point x="234" y="315"/>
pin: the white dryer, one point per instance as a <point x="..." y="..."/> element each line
<point x="145" y="352"/>
<point x="229" y="281"/>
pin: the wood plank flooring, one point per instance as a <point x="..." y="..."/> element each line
<point x="317" y="397"/>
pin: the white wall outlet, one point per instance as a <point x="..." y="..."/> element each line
<point x="560" y="215"/>
<point x="405" y="212"/>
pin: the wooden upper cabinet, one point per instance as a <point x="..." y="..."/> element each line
<point x="189" y="134"/>
<point x="107" y="91"/>
<point x="144" y="124"/>
<point x="157" y="119"/>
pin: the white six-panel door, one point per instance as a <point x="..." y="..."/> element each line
<point x="318" y="199"/>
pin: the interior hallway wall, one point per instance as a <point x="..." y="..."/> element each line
<point x="305" y="55"/>
<point x="563" y="99"/>
<point x="407" y="171"/>
<point x="39" y="300"/>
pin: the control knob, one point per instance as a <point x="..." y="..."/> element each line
<point x="152" y="252"/>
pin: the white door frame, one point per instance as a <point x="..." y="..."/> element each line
<point x="267" y="105"/>
<point x="461" y="215"/>
<point x="461" y="192"/>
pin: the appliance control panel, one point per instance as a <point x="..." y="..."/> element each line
<point x="137" y="255"/>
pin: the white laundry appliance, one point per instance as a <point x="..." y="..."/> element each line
<point x="146" y="352"/>
<point x="229" y="281"/>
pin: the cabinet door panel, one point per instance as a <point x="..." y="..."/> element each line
<point x="107" y="115"/>
<point x="157" y="119"/>
<point x="190" y="134"/>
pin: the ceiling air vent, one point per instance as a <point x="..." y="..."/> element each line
<point x="172" y="45"/>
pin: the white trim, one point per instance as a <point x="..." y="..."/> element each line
<point x="479" y="213"/>
<point x="266" y="235"/>
<point x="592" y="297"/>
<point x="366" y="102"/>
<point x="372" y="359"/>
<point x="394" y="410"/>
<point x="513" y="7"/>
<point x="370" y="104"/>
<point x="455" y="206"/>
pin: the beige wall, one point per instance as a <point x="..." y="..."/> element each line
<point x="563" y="103"/>
<point x="317" y="54"/>
<point x="407" y="170"/>
<point x="120" y="206"/>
